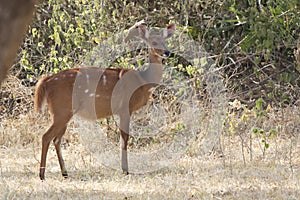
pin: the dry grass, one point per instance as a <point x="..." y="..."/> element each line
<point x="193" y="176"/>
<point x="273" y="174"/>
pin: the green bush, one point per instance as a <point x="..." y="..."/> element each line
<point x="253" y="44"/>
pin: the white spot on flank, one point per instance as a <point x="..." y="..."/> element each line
<point x="71" y="75"/>
<point x="64" y="76"/>
<point x="91" y="95"/>
<point x="104" y="80"/>
<point x="98" y="95"/>
<point x="86" y="91"/>
<point x="56" y="78"/>
<point x="87" y="76"/>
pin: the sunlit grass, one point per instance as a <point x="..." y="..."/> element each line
<point x="237" y="172"/>
<point x="193" y="176"/>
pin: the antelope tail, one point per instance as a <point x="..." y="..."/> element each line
<point x="40" y="95"/>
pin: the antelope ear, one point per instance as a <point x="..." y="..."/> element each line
<point x="168" y="31"/>
<point x="143" y="31"/>
<point x="133" y="31"/>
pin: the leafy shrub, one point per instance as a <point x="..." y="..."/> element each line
<point x="252" y="44"/>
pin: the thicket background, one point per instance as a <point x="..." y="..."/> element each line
<point x="254" y="44"/>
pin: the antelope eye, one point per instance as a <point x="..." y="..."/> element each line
<point x="154" y="43"/>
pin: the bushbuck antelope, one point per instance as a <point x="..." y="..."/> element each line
<point x="95" y="93"/>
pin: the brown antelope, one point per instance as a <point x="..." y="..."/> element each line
<point x="95" y="93"/>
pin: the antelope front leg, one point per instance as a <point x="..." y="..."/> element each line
<point x="124" y="130"/>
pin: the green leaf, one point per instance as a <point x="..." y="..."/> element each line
<point x="259" y="104"/>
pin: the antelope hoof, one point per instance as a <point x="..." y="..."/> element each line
<point x="125" y="172"/>
<point x="65" y="175"/>
<point x="42" y="174"/>
<point x="42" y="178"/>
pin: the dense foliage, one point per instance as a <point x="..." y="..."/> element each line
<point x="253" y="42"/>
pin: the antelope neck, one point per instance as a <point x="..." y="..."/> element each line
<point x="153" y="74"/>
